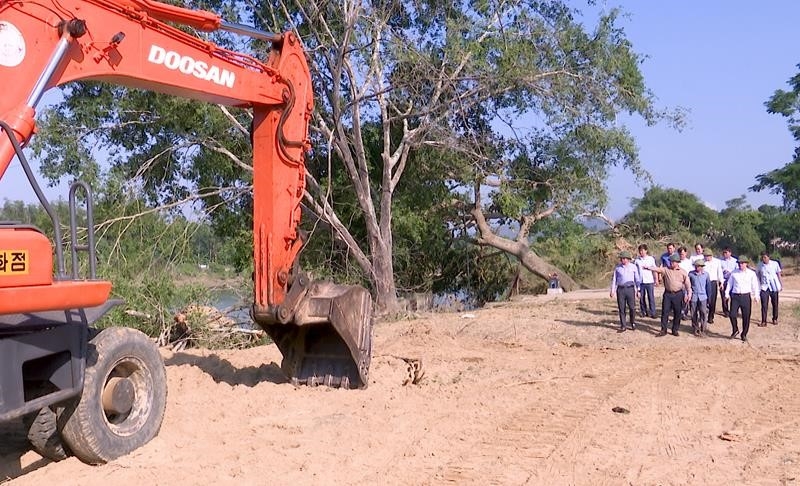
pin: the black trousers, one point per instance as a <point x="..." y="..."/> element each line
<point x="672" y="302"/>
<point x="725" y="302"/>
<point x="626" y="298"/>
<point x="647" y="301"/>
<point x="743" y="302"/>
<point x="711" y="290"/>
<point x="768" y="296"/>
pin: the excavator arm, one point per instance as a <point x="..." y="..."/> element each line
<point x="322" y="329"/>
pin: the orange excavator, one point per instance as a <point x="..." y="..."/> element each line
<point x="99" y="394"/>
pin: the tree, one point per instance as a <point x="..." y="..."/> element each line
<point x="786" y="180"/>
<point x="783" y="223"/>
<point x="738" y="228"/>
<point x="668" y="212"/>
<point x="454" y="80"/>
<point x="463" y="77"/>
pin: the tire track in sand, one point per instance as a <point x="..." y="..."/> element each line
<point x="775" y="425"/>
<point x="515" y="449"/>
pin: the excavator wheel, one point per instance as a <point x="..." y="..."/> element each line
<point x="43" y="434"/>
<point x="123" y="400"/>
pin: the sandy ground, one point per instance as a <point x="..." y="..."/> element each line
<point x="520" y="393"/>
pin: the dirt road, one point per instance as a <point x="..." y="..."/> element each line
<point x="520" y="393"/>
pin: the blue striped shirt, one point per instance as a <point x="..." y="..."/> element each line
<point x="625" y="275"/>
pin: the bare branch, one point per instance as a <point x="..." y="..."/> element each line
<point x="244" y="131"/>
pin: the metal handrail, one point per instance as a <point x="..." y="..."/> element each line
<point x="73" y="229"/>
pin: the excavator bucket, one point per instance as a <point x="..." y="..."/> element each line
<point x="329" y="341"/>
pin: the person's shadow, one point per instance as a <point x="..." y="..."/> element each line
<point x="611" y="322"/>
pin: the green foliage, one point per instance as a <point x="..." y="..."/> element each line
<point x="739" y="225"/>
<point x="664" y="212"/>
<point x="571" y="247"/>
<point x="482" y="274"/>
<point x="784" y="224"/>
<point x="465" y="79"/>
<point x="419" y="105"/>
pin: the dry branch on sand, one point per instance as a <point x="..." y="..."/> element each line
<point x="206" y="326"/>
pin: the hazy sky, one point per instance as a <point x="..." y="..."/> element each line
<point x="721" y="60"/>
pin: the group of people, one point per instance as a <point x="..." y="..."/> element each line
<point x="691" y="286"/>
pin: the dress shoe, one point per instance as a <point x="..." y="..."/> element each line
<point x="661" y="333"/>
<point x="734" y="334"/>
<point x="774" y="322"/>
<point x="744" y="338"/>
<point x="633" y="327"/>
<point x="653" y="316"/>
<point x="621" y="329"/>
<point x="676" y="333"/>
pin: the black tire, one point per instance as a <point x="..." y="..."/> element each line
<point x="93" y="433"/>
<point x="44" y="437"/>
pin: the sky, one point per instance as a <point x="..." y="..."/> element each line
<point x="720" y="60"/>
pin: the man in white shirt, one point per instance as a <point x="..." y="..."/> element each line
<point x="742" y="289"/>
<point x="715" y="278"/>
<point x="647" y="303"/>
<point x="728" y="264"/>
<point x="698" y="253"/>
<point x="769" y="278"/>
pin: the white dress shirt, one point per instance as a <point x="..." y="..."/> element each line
<point x="728" y="266"/>
<point x="714" y="269"/>
<point x="646" y="261"/>
<point x="742" y="282"/>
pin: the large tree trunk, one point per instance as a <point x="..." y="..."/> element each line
<point x="383" y="280"/>
<point x="520" y="249"/>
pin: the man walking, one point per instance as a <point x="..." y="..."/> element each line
<point x="699" y="305"/>
<point x="677" y="292"/>
<point x="741" y="288"/>
<point x="715" y="278"/>
<point x="647" y="304"/>
<point x="728" y="264"/>
<point x="624" y="282"/>
<point x="769" y="275"/>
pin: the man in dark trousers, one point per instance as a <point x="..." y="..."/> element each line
<point x="728" y="264"/>
<point x="677" y="292"/>
<point x="624" y="286"/>
<point x="742" y="290"/>
<point x="715" y="279"/>
<point x="769" y="276"/>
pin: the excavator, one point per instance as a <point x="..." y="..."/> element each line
<point x="98" y="393"/>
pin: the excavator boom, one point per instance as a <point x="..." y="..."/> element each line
<point x="323" y="330"/>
